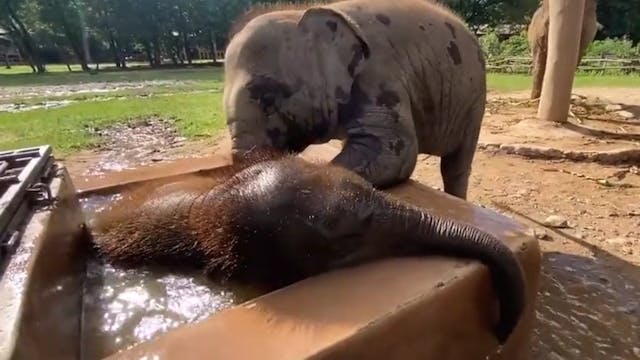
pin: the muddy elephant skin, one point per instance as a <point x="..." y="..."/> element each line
<point x="270" y="223"/>
<point x="391" y="78"/>
<point x="538" y="37"/>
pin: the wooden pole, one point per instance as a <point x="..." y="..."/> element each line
<point x="565" y="25"/>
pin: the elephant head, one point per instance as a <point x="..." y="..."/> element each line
<point x="321" y="217"/>
<point x="286" y="72"/>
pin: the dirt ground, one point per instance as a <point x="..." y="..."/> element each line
<point x="585" y="211"/>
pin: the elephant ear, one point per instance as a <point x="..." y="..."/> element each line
<point x="338" y="45"/>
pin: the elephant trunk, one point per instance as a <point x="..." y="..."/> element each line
<point x="420" y="232"/>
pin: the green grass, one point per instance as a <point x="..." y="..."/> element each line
<point x="195" y="102"/>
<point x="511" y="82"/>
<point x="65" y="128"/>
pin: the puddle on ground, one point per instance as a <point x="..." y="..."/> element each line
<point x="123" y="307"/>
<point x="588" y="309"/>
<point x="15" y="107"/>
<point x="132" y="144"/>
<point x="9" y="92"/>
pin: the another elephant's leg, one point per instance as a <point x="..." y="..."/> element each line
<point x="539" y="67"/>
<point x="455" y="167"/>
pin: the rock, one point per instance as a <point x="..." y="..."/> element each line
<point x="613" y="107"/>
<point x="636" y="351"/>
<point x="539" y="234"/>
<point x="625" y="114"/>
<point x="556" y="221"/>
<point x="579" y="235"/>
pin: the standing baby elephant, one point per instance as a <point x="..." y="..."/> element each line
<point x="392" y="78"/>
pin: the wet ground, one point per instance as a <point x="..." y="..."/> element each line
<point x="134" y="143"/>
<point x="589" y="309"/>
<point x="25" y="92"/>
<point x="590" y="290"/>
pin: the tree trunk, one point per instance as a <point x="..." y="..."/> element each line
<point x="80" y="56"/>
<point x="76" y="44"/>
<point x="6" y="58"/>
<point x="28" y="44"/>
<point x="214" y="48"/>
<point x="123" y="58"/>
<point x="187" y="48"/>
<point x="157" y="55"/>
<point x="565" y="22"/>
<point x="115" y="51"/>
<point x="148" y="52"/>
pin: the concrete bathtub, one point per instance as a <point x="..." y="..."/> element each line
<point x="413" y="308"/>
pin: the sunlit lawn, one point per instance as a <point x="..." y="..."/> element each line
<point x="195" y="101"/>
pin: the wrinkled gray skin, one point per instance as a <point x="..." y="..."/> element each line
<point x="392" y="78"/>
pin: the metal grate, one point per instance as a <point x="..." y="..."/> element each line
<point x="24" y="183"/>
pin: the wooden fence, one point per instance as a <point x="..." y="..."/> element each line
<point x="522" y="65"/>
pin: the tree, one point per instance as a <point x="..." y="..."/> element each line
<point x="67" y="17"/>
<point x="14" y="17"/>
<point x="107" y="18"/>
<point x="492" y="12"/>
<point x="619" y="18"/>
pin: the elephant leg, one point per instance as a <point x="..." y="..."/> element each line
<point x="379" y="148"/>
<point x="539" y="68"/>
<point x="455" y="167"/>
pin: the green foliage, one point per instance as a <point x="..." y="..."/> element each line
<point x="514" y="46"/>
<point x="157" y="31"/>
<point x="492" y="12"/>
<point x="619" y="18"/>
<point x="615" y="48"/>
<point x="518" y="46"/>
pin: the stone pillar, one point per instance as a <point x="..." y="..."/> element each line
<point x="565" y="25"/>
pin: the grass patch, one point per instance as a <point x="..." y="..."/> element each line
<point x="516" y="82"/>
<point x="66" y="129"/>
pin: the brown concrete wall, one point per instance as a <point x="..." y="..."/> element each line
<point x="41" y="289"/>
<point x="420" y="308"/>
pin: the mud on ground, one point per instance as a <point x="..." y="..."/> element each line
<point x="11" y="92"/>
<point x="138" y="142"/>
<point x="584" y="210"/>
